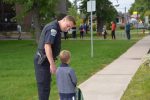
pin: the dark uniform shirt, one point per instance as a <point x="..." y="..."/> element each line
<point x="51" y="34"/>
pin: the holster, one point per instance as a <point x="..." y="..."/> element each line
<point x="41" y="57"/>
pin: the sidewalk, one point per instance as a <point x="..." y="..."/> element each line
<point x="14" y="35"/>
<point x="111" y="82"/>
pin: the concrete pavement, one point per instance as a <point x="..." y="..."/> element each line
<point x="111" y="82"/>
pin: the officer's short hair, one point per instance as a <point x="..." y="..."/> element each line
<point x="70" y="18"/>
<point x="64" y="56"/>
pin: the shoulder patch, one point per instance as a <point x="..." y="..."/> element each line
<point x="53" y="32"/>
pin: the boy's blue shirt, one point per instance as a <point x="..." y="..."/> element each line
<point x="64" y="65"/>
<point x="66" y="79"/>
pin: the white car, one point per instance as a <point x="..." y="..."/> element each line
<point x="140" y="26"/>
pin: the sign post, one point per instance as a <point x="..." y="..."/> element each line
<point x="91" y="5"/>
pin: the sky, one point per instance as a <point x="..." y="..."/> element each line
<point x="122" y="4"/>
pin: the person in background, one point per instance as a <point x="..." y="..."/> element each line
<point x="81" y="28"/>
<point x="65" y="35"/>
<point x="113" y="28"/>
<point x="74" y="34"/>
<point x="19" y="31"/>
<point x="85" y="28"/>
<point x="104" y="33"/>
<point x="127" y="28"/>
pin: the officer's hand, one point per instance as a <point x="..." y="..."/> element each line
<point x="53" y="68"/>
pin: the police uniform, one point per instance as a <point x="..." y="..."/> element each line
<point x="51" y="34"/>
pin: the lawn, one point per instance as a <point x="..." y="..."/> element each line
<point x="17" y="79"/>
<point x="139" y="87"/>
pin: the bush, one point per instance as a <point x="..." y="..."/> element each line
<point x="94" y="27"/>
<point x="108" y="26"/>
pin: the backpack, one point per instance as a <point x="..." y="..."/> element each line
<point x="79" y="95"/>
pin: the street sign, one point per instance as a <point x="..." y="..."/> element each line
<point x="91" y="5"/>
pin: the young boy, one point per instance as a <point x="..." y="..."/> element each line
<point x="66" y="78"/>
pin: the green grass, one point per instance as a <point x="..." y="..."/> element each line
<point x="139" y="87"/>
<point x="17" y="79"/>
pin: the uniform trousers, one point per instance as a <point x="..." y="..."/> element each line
<point x="43" y="78"/>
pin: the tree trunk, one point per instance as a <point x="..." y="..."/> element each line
<point x="61" y="9"/>
<point x="100" y="24"/>
<point x="37" y="25"/>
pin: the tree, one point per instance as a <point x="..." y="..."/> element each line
<point x="73" y="12"/>
<point x="42" y="10"/>
<point x="142" y="7"/>
<point x="105" y="12"/>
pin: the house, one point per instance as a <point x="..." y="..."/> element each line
<point x="7" y="17"/>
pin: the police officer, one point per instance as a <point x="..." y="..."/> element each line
<point x="47" y="51"/>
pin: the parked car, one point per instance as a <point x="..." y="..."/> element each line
<point x="140" y="26"/>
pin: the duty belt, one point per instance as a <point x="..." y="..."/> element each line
<point x="41" y="57"/>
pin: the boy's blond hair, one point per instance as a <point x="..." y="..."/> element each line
<point x="65" y="56"/>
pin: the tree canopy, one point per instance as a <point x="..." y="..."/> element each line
<point x="142" y="7"/>
<point x="43" y="11"/>
<point x="44" y="7"/>
<point x="105" y="12"/>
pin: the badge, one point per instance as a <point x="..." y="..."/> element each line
<point x="53" y="32"/>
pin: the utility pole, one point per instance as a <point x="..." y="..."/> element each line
<point x="76" y="4"/>
<point x="91" y="31"/>
<point x="137" y="21"/>
<point x="125" y="21"/>
<point x="91" y="6"/>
